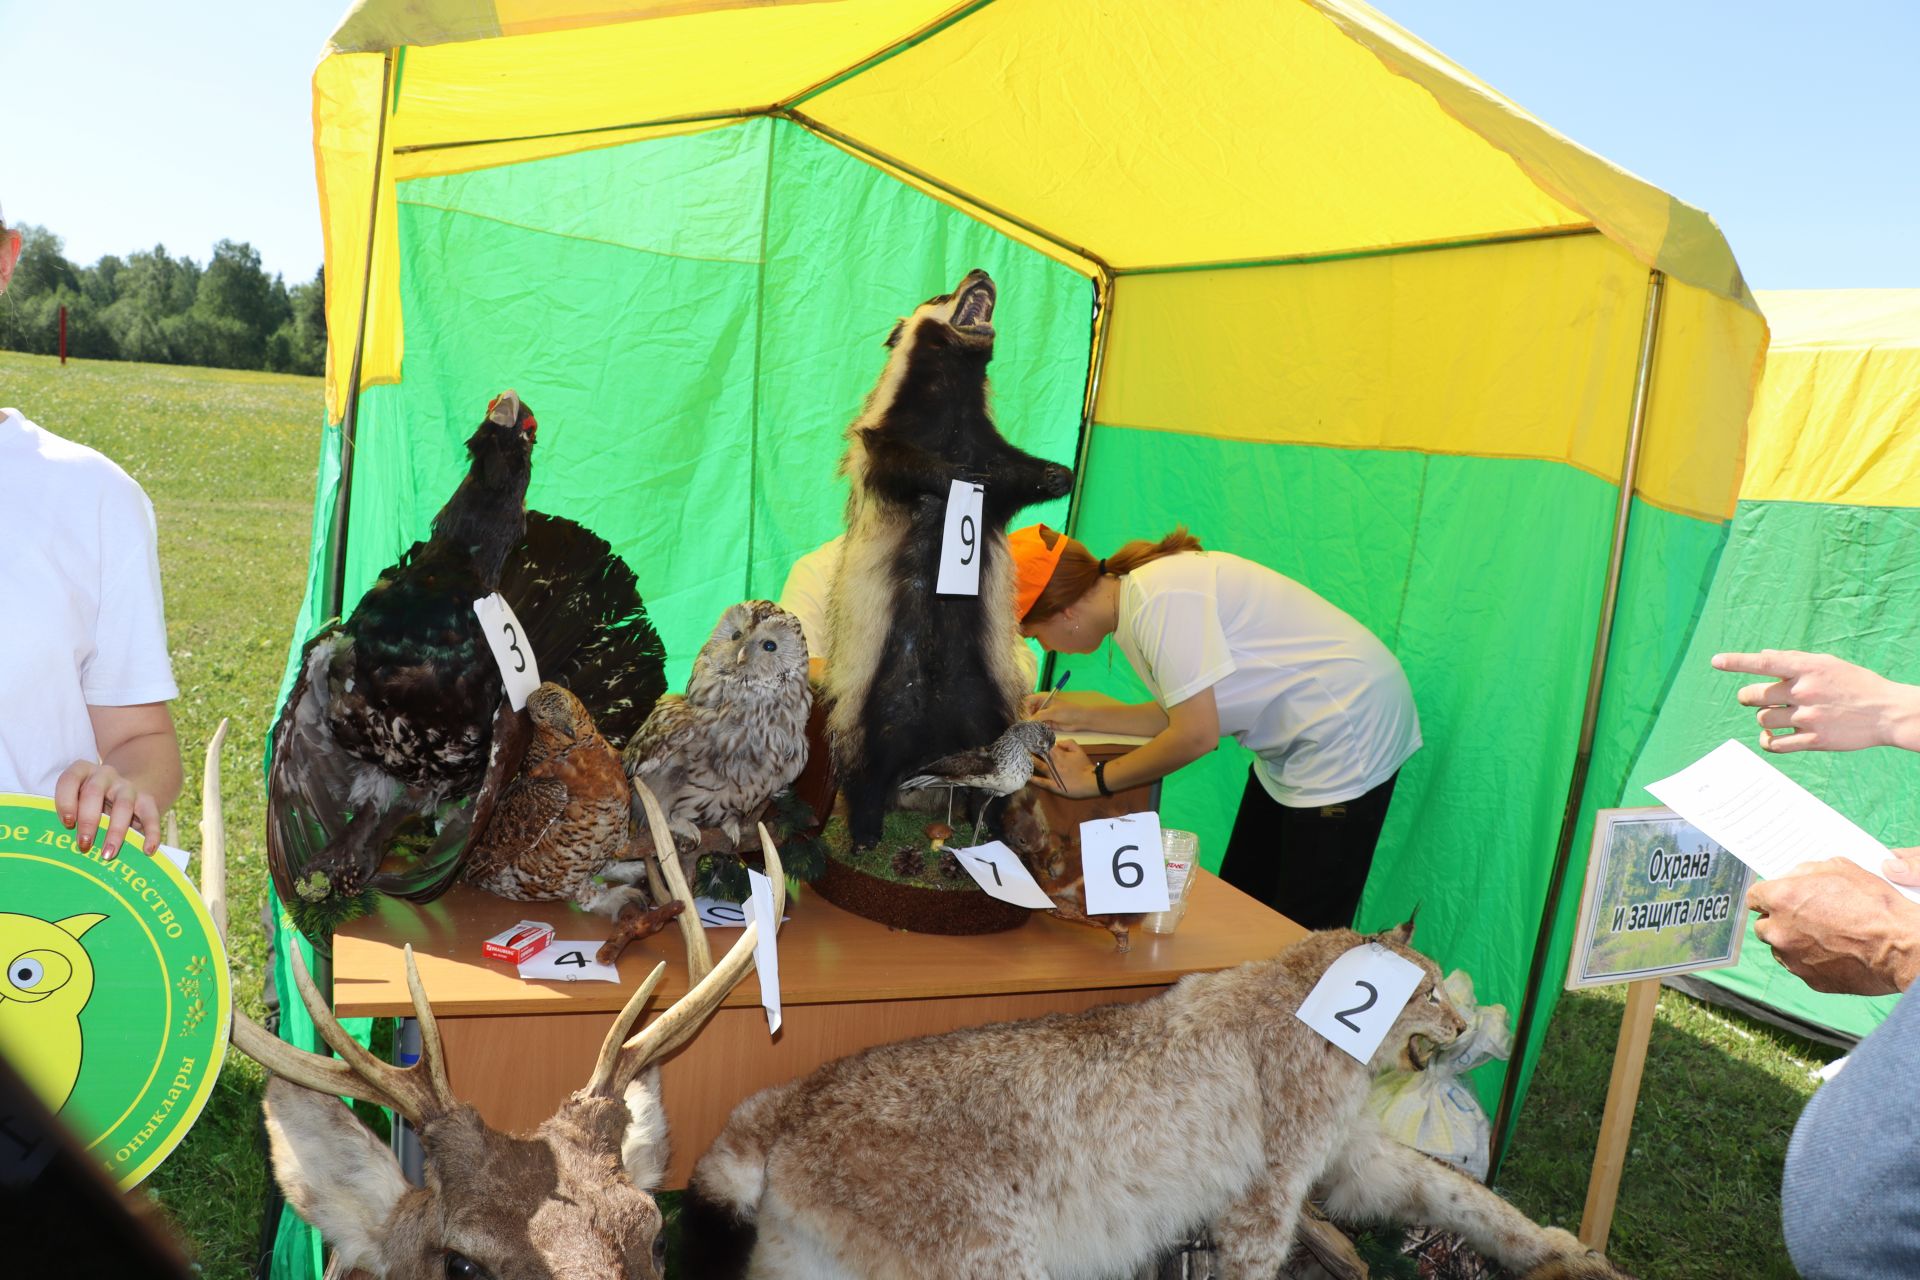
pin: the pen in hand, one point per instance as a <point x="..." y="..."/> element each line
<point x="1058" y="685"/>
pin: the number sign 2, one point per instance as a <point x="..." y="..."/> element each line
<point x="1124" y="867"/>
<point x="960" y="545"/>
<point x="508" y="640"/>
<point x="1356" y="1000"/>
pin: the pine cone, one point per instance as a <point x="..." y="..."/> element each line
<point x="950" y="867"/>
<point x="908" y="863"/>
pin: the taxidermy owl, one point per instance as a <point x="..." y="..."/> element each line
<point x="719" y="753"/>
<point x="562" y="818"/>
<point x="48" y="980"/>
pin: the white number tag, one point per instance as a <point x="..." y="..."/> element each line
<point x="717" y="913"/>
<point x="1123" y="867"/>
<point x="1356" y="1001"/>
<point x="508" y="640"/>
<point x="960" y="546"/>
<point x="766" y="951"/>
<point x="568" y="962"/>
<point x="998" y="870"/>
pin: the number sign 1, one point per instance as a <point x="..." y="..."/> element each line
<point x="960" y="545"/>
<point x="1123" y="865"/>
<point x="568" y="962"/>
<point x="998" y="870"/>
<point x="1356" y="1000"/>
<point x="508" y="640"/>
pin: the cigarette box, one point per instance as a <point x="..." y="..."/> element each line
<point x="522" y="942"/>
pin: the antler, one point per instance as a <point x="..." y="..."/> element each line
<point x="666" y="858"/>
<point x="620" y="1062"/>
<point x="419" y="1092"/>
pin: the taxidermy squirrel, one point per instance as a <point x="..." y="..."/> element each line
<point x="915" y="675"/>
<point x="1083" y="1146"/>
<point x="400" y="709"/>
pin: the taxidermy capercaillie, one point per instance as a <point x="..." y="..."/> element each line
<point x="916" y="676"/>
<point x="717" y="754"/>
<point x="561" y="818"/>
<point x="399" y="711"/>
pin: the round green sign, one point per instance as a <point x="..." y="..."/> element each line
<point x="115" y="1000"/>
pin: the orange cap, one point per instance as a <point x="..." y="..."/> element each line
<point x="1033" y="563"/>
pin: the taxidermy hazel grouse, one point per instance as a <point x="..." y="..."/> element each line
<point x="562" y="819"/>
<point x="399" y="712"/>
<point x="717" y="755"/>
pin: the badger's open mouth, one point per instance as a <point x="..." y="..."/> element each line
<point x="973" y="309"/>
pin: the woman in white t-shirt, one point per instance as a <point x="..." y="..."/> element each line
<point x="1229" y="647"/>
<point x="84" y="672"/>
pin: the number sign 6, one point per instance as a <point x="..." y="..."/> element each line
<point x="1123" y="865"/>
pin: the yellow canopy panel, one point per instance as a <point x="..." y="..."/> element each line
<point x="1837" y="417"/>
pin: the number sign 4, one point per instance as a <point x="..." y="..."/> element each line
<point x="508" y="640"/>
<point x="568" y="962"/>
<point x="1356" y="1000"/>
<point x="1123" y="865"/>
<point x="960" y="545"/>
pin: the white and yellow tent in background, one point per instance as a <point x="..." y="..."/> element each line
<point x="1274" y="269"/>
<point x="1823" y="555"/>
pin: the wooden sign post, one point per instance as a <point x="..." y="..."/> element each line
<point x="1660" y="899"/>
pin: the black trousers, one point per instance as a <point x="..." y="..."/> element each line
<point x="1310" y="865"/>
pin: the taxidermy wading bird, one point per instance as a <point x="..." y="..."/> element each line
<point x="717" y="755"/>
<point x="999" y="769"/>
<point x="399" y="712"/>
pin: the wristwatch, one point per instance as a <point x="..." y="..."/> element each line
<point x="1100" y="777"/>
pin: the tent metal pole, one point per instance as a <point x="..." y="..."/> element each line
<point x="1096" y="357"/>
<point x="336" y="579"/>
<point x="1589" y="721"/>
<point x="334" y="587"/>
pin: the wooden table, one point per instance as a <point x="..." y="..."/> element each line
<point x="516" y="1049"/>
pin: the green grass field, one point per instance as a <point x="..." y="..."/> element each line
<point x="228" y="459"/>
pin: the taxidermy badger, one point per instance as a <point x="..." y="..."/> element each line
<point x="914" y="675"/>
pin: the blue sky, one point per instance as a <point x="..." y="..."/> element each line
<point x="1797" y="126"/>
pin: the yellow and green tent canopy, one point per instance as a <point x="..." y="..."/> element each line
<point x="1279" y="271"/>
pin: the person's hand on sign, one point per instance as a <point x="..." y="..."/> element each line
<point x="1817" y="702"/>
<point x="1840" y="928"/>
<point x="137" y="775"/>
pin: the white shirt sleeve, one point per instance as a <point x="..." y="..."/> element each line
<point x="805" y="595"/>
<point x="129" y="664"/>
<point x="1182" y="643"/>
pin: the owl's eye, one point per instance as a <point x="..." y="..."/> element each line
<point x="768" y="645"/>
<point x="25" y="973"/>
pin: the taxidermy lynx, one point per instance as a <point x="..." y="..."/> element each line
<point x="1080" y="1147"/>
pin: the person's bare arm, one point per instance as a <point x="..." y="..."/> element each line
<point x="136" y="779"/>
<point x="1840" y="928"/>
<point x="1817" y="702"/>
<point x="1091" y="713"/>
<point x="1191" y="731"/>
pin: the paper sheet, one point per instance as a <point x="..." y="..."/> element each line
<point x="1763" y="817"/>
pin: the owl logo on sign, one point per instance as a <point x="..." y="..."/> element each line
<point x="47" y="982"/>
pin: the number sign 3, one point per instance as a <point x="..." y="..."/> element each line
<point x="508" y="640"/>
<point x="1124" y="867"/>
<point x="960" y="543"/>
<point x="1356" y="1000"/>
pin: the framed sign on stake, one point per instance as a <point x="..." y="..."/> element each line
<point x="1660" y="899"/>
<point x="115" y="999"/>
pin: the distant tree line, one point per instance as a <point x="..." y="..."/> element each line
<point x="149" y="306"/>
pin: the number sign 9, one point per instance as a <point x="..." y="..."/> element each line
<point x="1123" y="865"/>
<point x="1356" y="1000"/>
<point x="960" y="541"/>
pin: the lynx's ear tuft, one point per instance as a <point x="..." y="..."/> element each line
<point x="1404" y="934"/>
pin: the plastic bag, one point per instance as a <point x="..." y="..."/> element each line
<point x="1436" y="1111"/>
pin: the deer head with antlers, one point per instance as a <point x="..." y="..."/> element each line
<point x="568" y="1200"/>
